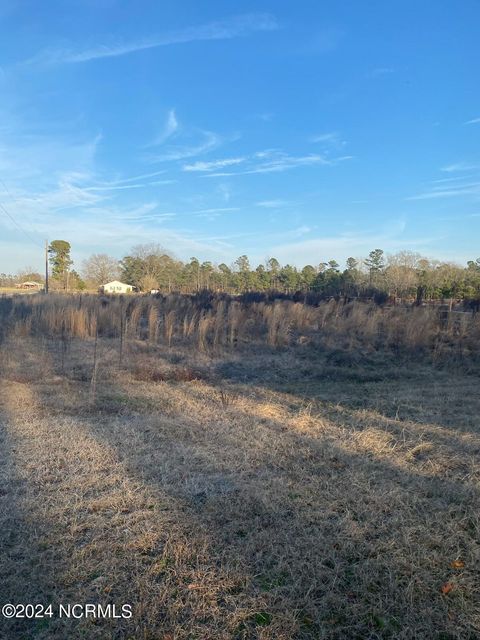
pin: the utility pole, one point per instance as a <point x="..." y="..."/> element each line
<point x="46" y="266"/>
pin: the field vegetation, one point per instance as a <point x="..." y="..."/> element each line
<point x="240" y="468"/>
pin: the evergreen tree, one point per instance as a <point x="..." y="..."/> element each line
<point x="273" y="267"/>
<point x="61" y="261"/>
<point x="288" y="277"/>
<point x="352" y="264"/>
<point x="375" y="264"/>
<point x="225" y="276"/>
<point x="307" y="277"/>
<point x="243" y="265"/>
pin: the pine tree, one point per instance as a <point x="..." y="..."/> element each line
<point x="61" y="261"/>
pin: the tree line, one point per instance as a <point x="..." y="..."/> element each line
<point x="405" y="274"/>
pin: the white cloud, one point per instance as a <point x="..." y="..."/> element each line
<point x="272" y="204"/>
<point x="462" y="183"/>
<point x="119" y="187"/>
<point x="235" y="27"/>
<point x="453" y="192"/>
<point x="213" y="213"/>
<point x="267" y="153"/>
<point x="144" y="176"/>
<point x="214" y="164"/>
<point x="278" y="161"/>
<point x="162" y="182"/>
<point x="332" y="138"/>
<point x="452" y="179"/>
<point x="208" y="142"/>
<point x="41" y="157"/>
<point x="40" y="178"/>
<point x="55" y="188"/>
<point x="340" y="247"/>
<point x="300" y="231"/>
<point x="169" y="129"/>
<point x="225" y="192"/>
<point x="460" y="166"/>
<point x="474" y="121"/>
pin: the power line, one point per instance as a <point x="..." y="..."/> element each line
<point x="9" y="215"/>
<point x="19" y="227"/>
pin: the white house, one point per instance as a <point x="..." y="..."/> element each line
<point x="116" y="287"/>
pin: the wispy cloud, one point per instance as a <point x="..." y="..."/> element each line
<point x="162" y="182"/>
<point x="169" y="129"/>
<point x="149" y="213"/>
<point x="123" y="187"/>
<point x="460" y="166"/>
<point x="55" y="186"/>
<point x="474" y="121"/>
<point x="464" y="182"/>
<point x="357" y="243"/>
<point x="142" y="176"/>
<point x="225" y="192"/>
<point x="207" y="142"/>
<point x="214" y="164"/>
<point x="274" y="161"/>
<point x="212" y="214"/>
<point x="303" y="230"/>
<point x="453" y="179"/>
<point x="452" y="192"/>
<point x="332" y="138"/>
<point x="95" y="221"/>
<point x="119" y="187"/>
<point x="233" y="27"/>
<point x="267" y="116"/>
<point x="26" y="157"/>
<point x="272" y="204"/>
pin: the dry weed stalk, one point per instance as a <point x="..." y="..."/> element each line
<point x="233" y="322"/>
<point x="134" y="320"/>
<point x="122" y="331"/>
<point x="153" y="324"/>
<point x="202" y="331"/>
<point x="169" y="325"/>
<point x="219" y="326"/>
<point x="93" y="380"/>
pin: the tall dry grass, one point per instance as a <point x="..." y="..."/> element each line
<point x="152" y="320"/>
<point x="226" y="323"/>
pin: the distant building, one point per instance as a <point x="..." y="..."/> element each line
<point x="29" y="285"/>
<point x="116" y="287"/>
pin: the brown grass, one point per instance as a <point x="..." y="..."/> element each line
<point x="296" y="490"/>
<point x="225" y="323"/>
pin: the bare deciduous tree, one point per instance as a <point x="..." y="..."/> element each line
<point x="100" y="268"/>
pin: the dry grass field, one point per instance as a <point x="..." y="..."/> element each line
<point x="10" y="291"/>
<point x="307" y="482"/>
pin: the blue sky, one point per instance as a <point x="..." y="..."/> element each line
<point x="301" y="130"/>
